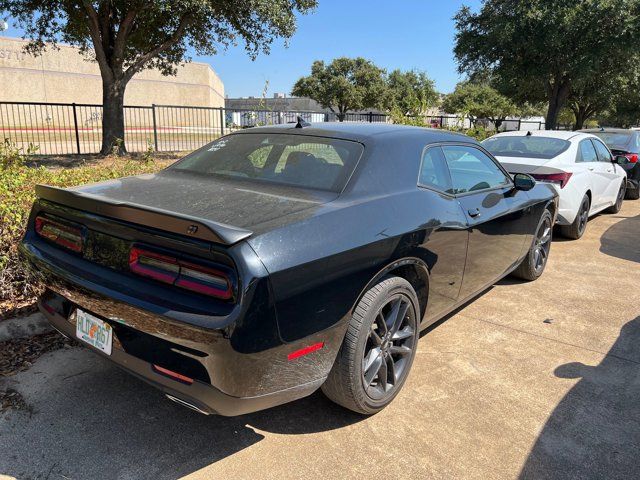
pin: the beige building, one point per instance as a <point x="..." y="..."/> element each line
<point x="63" y="75"/>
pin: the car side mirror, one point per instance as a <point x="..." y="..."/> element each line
<point x="621" y="160"/>
<point x="524" y="182"/>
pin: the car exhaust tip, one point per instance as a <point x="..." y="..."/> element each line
<point x="184" y="403"/>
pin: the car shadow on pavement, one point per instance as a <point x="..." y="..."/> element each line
<point x="594" y="432"/>
<point x="92" y="420"/>
<point x="622" y="240"/>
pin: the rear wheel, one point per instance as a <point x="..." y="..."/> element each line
<point x="378" y="349"/>
<point x="579" y="225"/>
<point x="615" y="208"/>
<point x="633" y="193"/>
<point x="533" y="264"/>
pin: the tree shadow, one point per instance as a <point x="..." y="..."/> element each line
<point x="622" y="240"/>
<point x="92" y="420"/>
<point x="594" y="432"/>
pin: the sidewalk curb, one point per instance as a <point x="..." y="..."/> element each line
<point x="22" y="327"/>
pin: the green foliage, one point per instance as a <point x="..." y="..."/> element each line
<point x="13" y="156"/>
<point x="478" y="132"/>
<point x="479" y="101"/>
<point x="17" y="194"/>
<point x="410" y="93"/>
<point x="538" y="50"/>
<point x="343" y="85"/>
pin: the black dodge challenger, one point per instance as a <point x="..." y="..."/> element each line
<point x="278" y="260"/>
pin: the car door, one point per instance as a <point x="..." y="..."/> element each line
<point x="608" y="172"/>
<point x="498" y="217"/>
<point x="588" y="160"/>
<point x="445" y="249"/>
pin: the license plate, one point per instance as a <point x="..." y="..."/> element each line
<point x="95" y="332"/>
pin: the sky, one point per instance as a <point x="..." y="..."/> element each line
<point x="404" y="34"/>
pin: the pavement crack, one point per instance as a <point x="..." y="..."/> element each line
<point x="581" y="347"/>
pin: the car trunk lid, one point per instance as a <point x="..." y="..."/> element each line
<point x="202" y="207"/>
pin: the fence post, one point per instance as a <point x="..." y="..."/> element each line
<point x="155" y="129"/>
<point x="75" y="125"/>
<point x="519" y="124"/>
<point x="221" y="121"/>
<point x="370" y="117"/>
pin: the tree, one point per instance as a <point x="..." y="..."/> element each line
<point x="127" y="36"/>
<point x="603" y="89"/>
<point x="479" y="101"/>
<point x="343" y="85"/>
<point x="538" y="49"/>
<point x="411" y="93"/>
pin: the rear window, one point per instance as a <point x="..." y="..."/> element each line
<point x="296" y="160"/>
<point x="614" y="139"/>
<point x="529" y="147"/>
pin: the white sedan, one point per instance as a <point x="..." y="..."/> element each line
<point x="585" y="174"/>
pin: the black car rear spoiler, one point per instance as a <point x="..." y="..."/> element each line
<point x="144" y="215"/>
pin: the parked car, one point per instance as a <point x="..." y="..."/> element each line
<point x="626" y="143"/>
<point x="278" y="260"/>
<point x="579" y="166"/>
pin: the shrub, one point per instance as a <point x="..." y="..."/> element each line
<point x="17" y="194"/>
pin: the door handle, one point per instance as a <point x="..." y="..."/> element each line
<point x="591" y="169"/>
<point x="474" y="212"/>
<point x="609" y="171"/>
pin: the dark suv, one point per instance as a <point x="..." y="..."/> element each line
<point x="627" y="143"/>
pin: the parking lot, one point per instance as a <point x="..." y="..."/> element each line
<point x="537" y="380"/>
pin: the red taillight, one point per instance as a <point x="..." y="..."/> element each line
<point x="305" y="351"/>
<point x="174" y="375"/>
<point x="187" y="275"/>
<point x="66" y="236"/>
<point x="558" y="178"/>
<point x="153" y="265"/>
<point x="633" y="157"/>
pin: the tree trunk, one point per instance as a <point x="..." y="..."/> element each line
<point x="558" y="93"/>
<point x="113" y="118"/>
<point x="341" y="116"/>
<point x="581" y="116"/>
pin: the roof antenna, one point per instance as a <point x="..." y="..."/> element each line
<point x="301" y="123"/>
<point x="528" y="133"/>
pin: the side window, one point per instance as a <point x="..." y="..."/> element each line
<point x="603" y="152"/>
<point x="433" y="170"/>
<point x="587" y="152"/>
<point x="471" y="169"/>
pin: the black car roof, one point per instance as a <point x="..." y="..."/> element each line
<point x="363" y="131"/>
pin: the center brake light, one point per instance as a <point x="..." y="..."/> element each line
<point x="172" y="271"/>
<point x="67" y="236"/>
<point x="561" y="178"/>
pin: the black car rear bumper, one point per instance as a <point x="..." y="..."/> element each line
<point x="198" y="395"/>
<point x="238" y="363"/>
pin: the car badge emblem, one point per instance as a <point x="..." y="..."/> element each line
<point x="192" y="229"/>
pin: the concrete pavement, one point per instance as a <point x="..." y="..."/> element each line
<point x="531" y="380"/>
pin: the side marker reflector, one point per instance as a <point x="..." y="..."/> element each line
<point x="305" y="351"/>
<point x="173" y="375"/>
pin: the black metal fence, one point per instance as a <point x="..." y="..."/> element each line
<point x="70" y="128"/>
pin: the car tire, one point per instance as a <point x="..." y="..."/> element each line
<point x="579" y="225"/>
<point x="616" y="207"/>
<point x="632" y="194"/>
<point x="535" y="261"/>
<point x="378" y="350"/>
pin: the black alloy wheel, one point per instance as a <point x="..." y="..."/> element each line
<point x="542" y="245"/>
<point x="378" y="349"/>
<point x="389" y="347"/>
